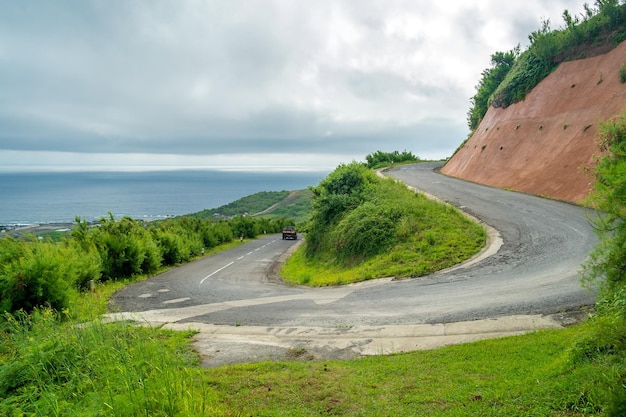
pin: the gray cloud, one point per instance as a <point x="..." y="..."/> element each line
<point x="199" y="77"/>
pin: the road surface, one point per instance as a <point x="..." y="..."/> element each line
<point x="244" y="313"/>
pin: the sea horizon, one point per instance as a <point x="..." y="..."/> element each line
<point x="30" y="198"/>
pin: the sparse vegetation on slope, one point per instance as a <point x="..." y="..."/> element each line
<point x="292" y="205"/>
<point x="296" y="206"/>
<point x="597" y="31"/>
<point x="248" y="205"/>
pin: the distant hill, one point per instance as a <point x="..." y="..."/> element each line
<point x="294" y="205"/>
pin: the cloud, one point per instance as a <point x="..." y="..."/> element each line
<point x="207" y="77"/>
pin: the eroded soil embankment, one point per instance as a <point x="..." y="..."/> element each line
<point x="545" y="144"/>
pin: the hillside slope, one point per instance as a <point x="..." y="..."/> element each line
<point x="541" y="145"/>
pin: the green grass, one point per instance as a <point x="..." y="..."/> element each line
<point x="55" y="367"/>
<point x="250" y="204"/>
<point x="431" y="237"/>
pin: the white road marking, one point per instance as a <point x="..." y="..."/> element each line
<point x="215" y="272"/>
<point x="238" y="259"/>
<point x="177" y="300"/>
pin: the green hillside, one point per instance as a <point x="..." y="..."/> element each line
<point x="294" y="205"/>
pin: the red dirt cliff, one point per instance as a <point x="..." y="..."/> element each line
<point x="541" y="144"/>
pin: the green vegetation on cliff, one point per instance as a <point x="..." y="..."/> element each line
<point x="514" y="74"/>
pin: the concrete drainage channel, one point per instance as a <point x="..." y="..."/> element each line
<point x="225" y="345"/>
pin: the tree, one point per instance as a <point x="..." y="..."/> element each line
<point x="501" y="64"/>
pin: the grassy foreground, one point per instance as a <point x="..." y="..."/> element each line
<point x="58" y="368"/>
<point x="73" y="364"/>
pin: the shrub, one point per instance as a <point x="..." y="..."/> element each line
<point x="381" y="159"/>
<point x="607" y="265"/>
<point x="340" y="192"/>
<point x="367" y="230"/>
<point x="34" y="274"/>
<point x="126" y="248"/>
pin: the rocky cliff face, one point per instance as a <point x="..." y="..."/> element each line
<point x="541" y="145"/>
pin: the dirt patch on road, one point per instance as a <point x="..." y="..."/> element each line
<point x="273" y="274"/>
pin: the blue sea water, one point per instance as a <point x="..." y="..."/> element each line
<point x="38" y="198"/>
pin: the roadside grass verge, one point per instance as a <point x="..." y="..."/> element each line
<point x="55" y="367"/>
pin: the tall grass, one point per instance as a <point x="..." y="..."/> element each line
<point x="52" y="367"/>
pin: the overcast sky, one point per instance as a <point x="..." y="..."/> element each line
<point x="291" y="84"/>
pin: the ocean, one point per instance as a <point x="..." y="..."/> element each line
<point x="40" y="198"/>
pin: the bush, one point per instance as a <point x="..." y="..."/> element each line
<point x="126" y="248"/>
<point x="381" y="159"/>
<point x="34" y="274"/>
<point x="340" y="192"/>
<point x="367" y="230"/>
<point x="171" y="246"/>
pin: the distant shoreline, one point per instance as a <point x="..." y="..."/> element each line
<point x="17" y="230"/>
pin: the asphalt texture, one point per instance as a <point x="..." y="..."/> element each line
<point x="527" y="279"/>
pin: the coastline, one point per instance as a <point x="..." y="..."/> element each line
<point x="18" y="230"/>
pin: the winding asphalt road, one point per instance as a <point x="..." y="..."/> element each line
<point x="245" y="314"/>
